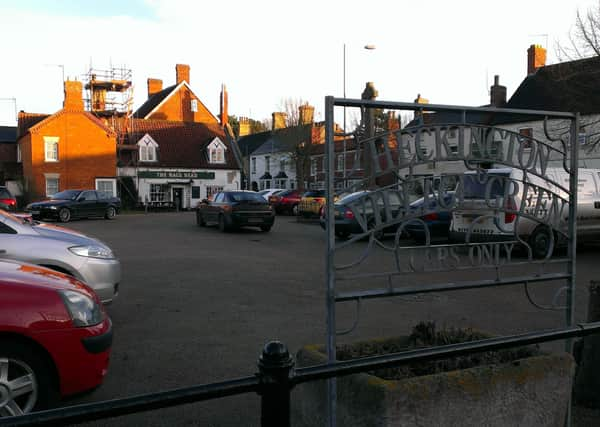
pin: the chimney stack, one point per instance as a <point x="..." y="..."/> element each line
<point x="154" y="86"/>
<point x="279" y="120"/>
<point x="419" y="100"/>
<point x="182" y="73"/>
<point x="497" y="93"/>
<point x="536" y="58"/>
<point x="306" y="114"/>
<point x="244" y="126"/>
<point x="223" y="116"/>
<point x="73" y="99"/>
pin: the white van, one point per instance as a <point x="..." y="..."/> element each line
<point x="490" y="203"/>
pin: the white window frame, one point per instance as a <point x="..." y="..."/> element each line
<point x="194" y="105"/>
<point x="52" y="177"/>
<point x="216" y="151"/>
<point x="19" y="155"/>
<point x="340" y="162"/>
<point x="313" y="166"/>
<point x="528" y="138"/>
<point x="51" y="148"/>
<point x="113" y="185"/>
<point x="147" y="149"/>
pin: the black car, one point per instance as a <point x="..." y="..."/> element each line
<point x="69" y="204"/>
<point x="346" y="223"/>
<point x="233" y="209"/>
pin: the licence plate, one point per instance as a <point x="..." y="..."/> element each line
<point x="255" y="220"/>
<point x="34" y="212"/>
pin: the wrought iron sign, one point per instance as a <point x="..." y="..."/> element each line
<point x="509" y="200"/>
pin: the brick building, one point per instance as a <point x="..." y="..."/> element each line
<point x="71" y="148"/>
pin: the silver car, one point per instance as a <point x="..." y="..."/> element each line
<point x="61" y="249"/>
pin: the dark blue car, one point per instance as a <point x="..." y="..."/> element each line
<point x="436" y="219"/>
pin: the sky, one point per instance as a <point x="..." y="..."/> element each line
<point x="267" y="51"/>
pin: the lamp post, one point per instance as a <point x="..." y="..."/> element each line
<point x="366" y="47"/>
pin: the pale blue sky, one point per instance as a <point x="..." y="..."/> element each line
<point x="268" y="50"/>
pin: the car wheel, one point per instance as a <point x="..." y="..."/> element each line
<point x="540" y="242"/>
<point x="110" y="213"/>
<point x="295" y="210"/>
<point x="266" y="228"/>
<point x="26" y="383"/>
<point x="200" y="220"/>
<point x="222" y="225"/>
<point x="64" y="215"/>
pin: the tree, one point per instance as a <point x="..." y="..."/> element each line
<point x="583" y="38"/>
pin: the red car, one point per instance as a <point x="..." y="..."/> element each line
<point x="286" y="201"/>
<point x="55" y="338"/>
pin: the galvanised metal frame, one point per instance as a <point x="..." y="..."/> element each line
<point x="570" y="164"/>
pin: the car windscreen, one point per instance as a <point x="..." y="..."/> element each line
<point x="245" y="197"/>
<point x="350" y="197"/>
<point x="475" y="187"/>
<point x="65" y="195"/>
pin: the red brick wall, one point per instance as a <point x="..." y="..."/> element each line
<point x="178" y="108"/>
<point x="85" y="151"/>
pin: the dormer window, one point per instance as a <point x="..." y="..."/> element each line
<point x="147" y="146"/>
<point x="216" y="151"/>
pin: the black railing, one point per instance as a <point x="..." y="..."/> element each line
<point x="277" y="377"/>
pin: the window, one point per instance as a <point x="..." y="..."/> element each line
<point x="107" y="186"/>
<point x="5" y="229"/>
<point x="51" y="148"/>
<point x="195" y="192"/>
<point x="148" y="148"/>
<point x="340" y="162"/>
<point x="216" y="151"/>
<point x="313" y="166"/>
<point x="280" y="183"/>
<point x="19" y="158"/>
<point x="267" y="163"/>
<point x="88" y="195"/>
<point x="282" y="165"/>
<point x="51" y="186"/>
<point x="194" y="105"/>
<point x="158" y="192"/>
<point x="212" y="189"/>
<point x="526" y="135"/>
<point x="253" y="164"/>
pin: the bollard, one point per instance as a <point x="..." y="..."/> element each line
<point x="275" y="370"/>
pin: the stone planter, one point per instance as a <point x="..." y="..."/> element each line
<point x="533" y="391"/>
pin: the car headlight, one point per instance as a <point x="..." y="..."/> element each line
<point x="93" y="251"/>
<point x="84" y="311"/>
<point x="52" y="207"/>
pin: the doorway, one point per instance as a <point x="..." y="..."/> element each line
<point x="178" y="198"/>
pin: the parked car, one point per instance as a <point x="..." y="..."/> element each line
<point x="286" y="201"/>
<point x="61" y="249"/>
<point x="55" y="338"/>
<point x="7" y="200"/>
<point x="233" y="209"/>
<point x="436" y="219"/>
<point x="69" y="204"/>
<point x="267" y="192"/>
<point x="311" y="203"/>
<point x="346" y="223"/>
<point x="501" y="224"/>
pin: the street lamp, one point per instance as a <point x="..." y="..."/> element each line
<point x="366" y="47"/>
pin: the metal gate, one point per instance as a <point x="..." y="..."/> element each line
<point x="502" y="190"/>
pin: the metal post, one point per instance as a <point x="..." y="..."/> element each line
<point x="331" y="357"/>
<point x="275" y="368"/>
<point x="344" y="140"/>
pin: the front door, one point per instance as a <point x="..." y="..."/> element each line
<point x="178" y="198"/>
